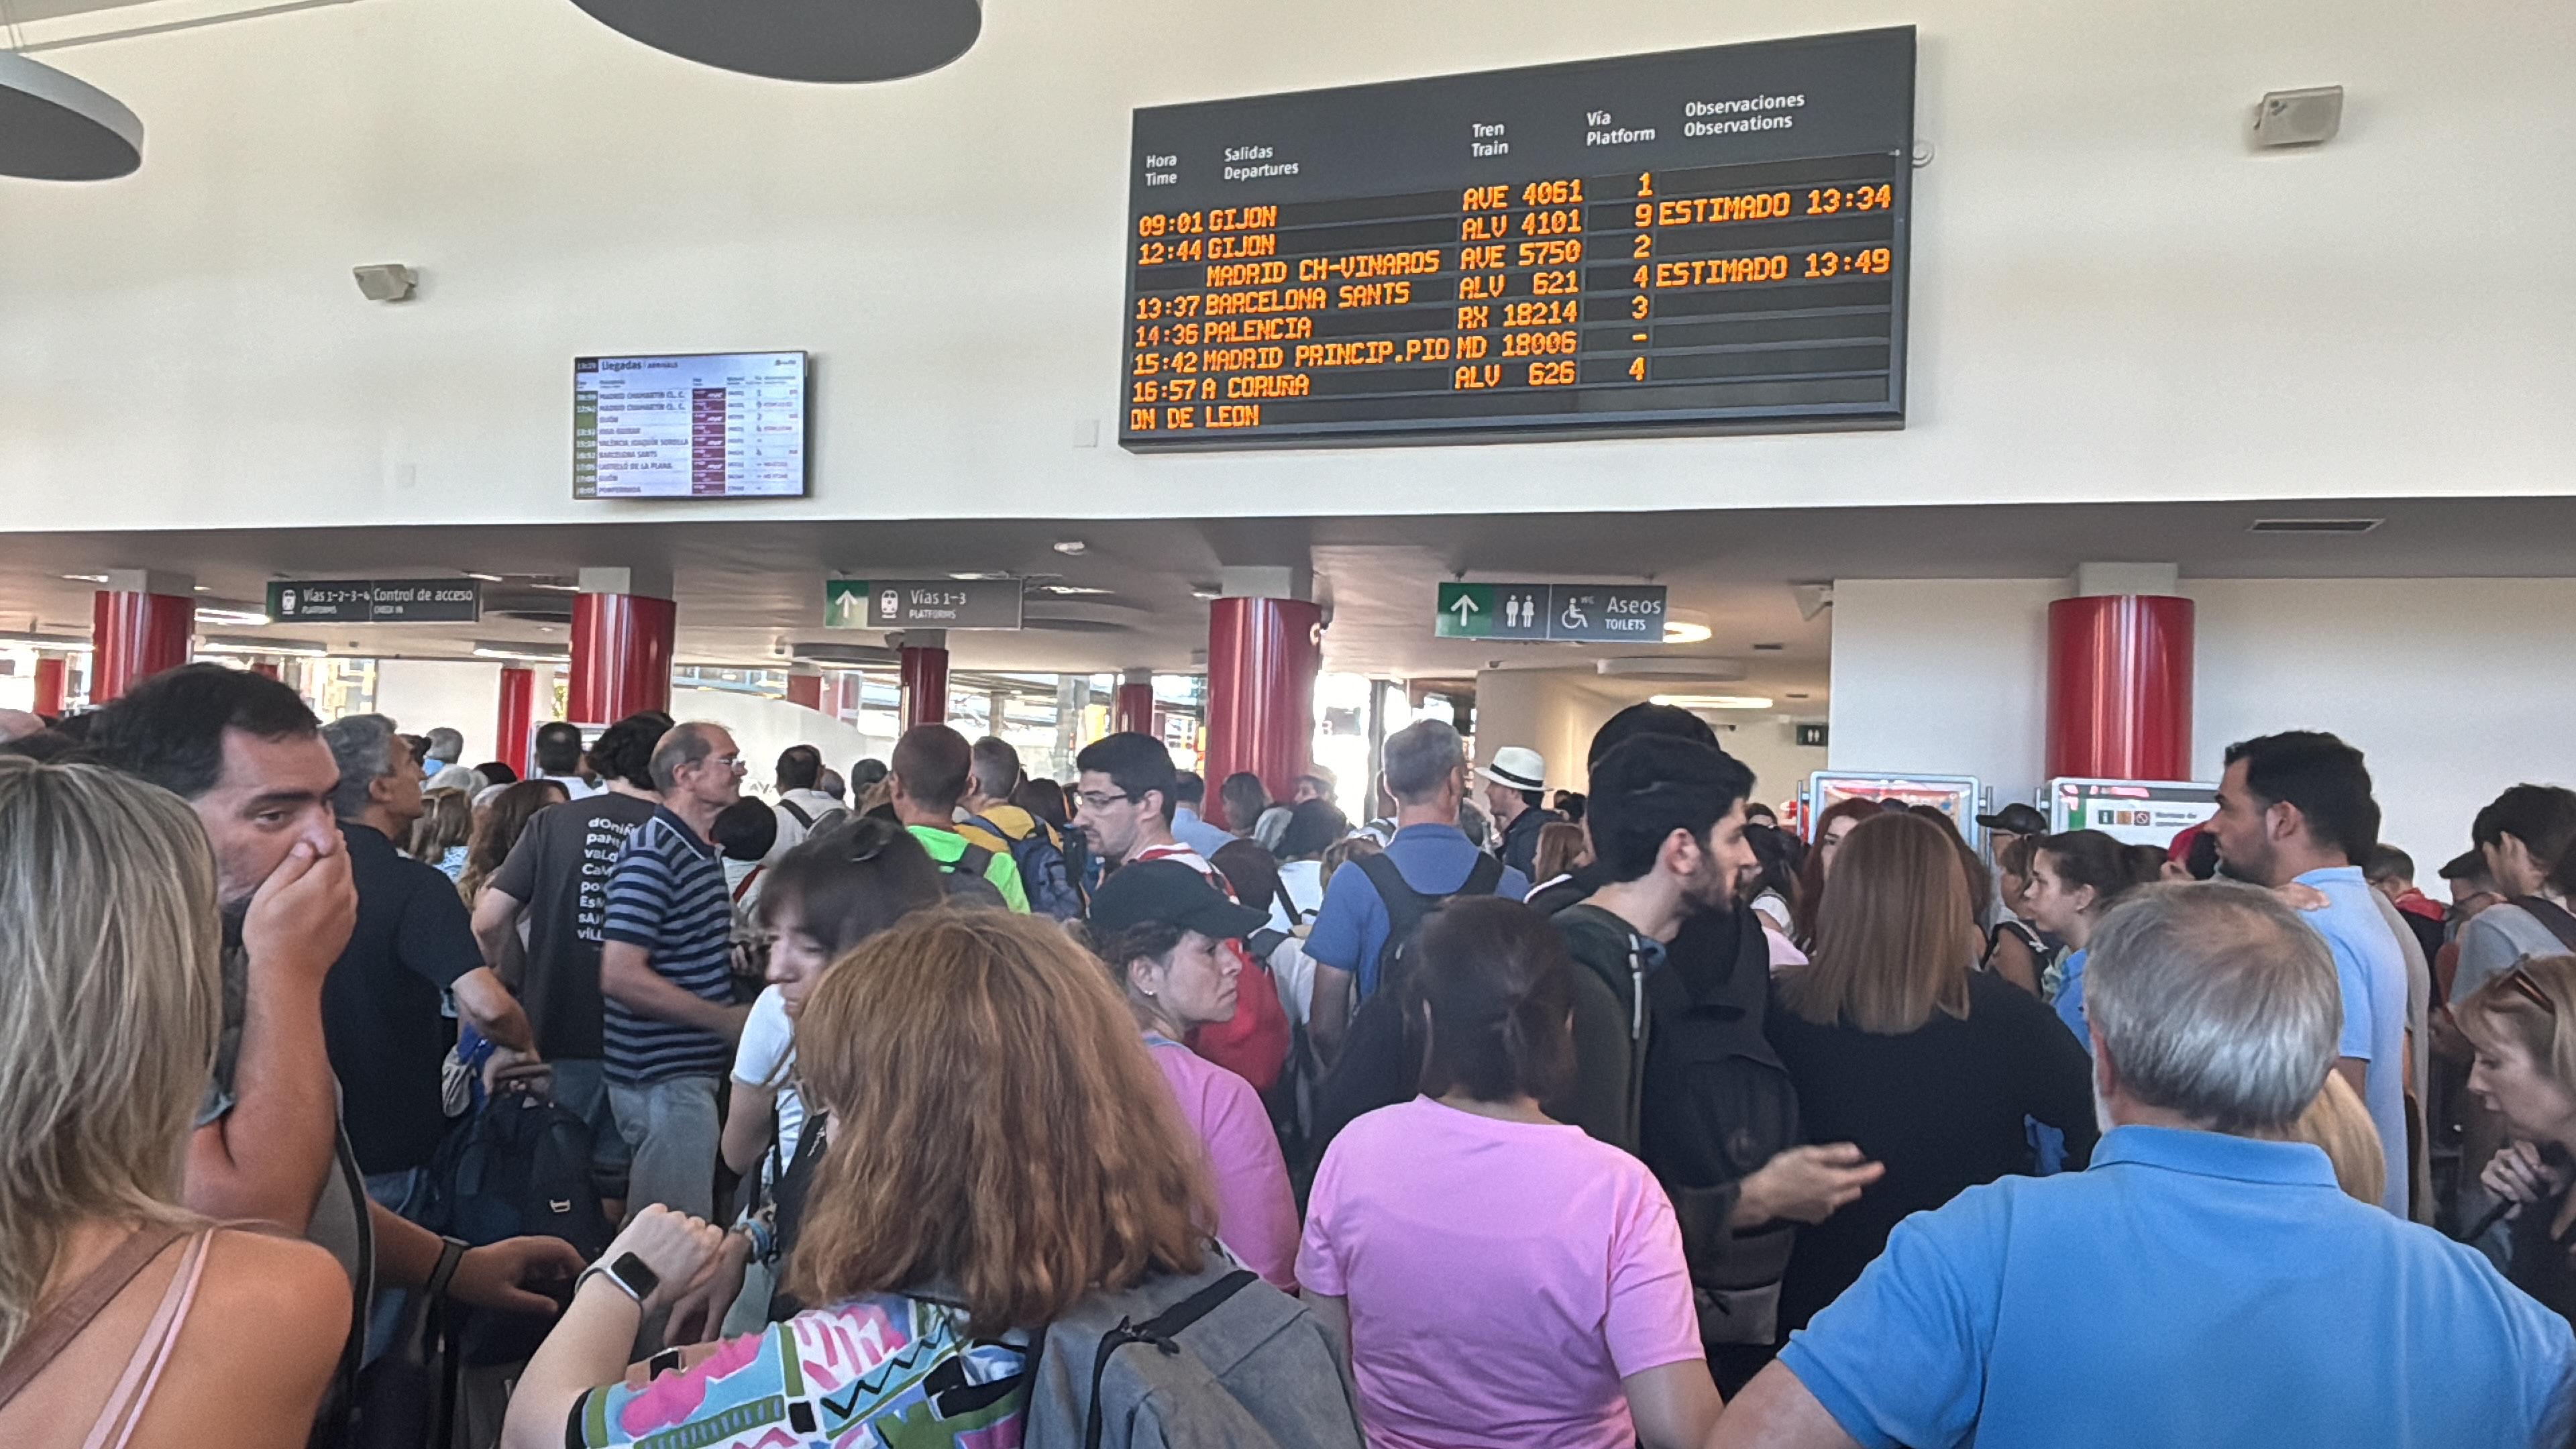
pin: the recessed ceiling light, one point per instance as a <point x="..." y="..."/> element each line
<point x="971" y="575"/>
<point x="558" y="588"/>
<point x="2315" y="525"/>
<point x="1070" y="589"/>
<point x="1683" y="631"/>
<point x="1070" y="545"/>
<point x="85" y="578"/>
<point x="487" y="578"/>
<point x="1697" y="702"/>
<point x="1206" y="591"/>
<point x="231" y="616"/>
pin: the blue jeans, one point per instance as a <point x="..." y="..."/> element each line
<point x="672" y="1126"/>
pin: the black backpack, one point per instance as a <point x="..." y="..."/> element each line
<point x="519" y="1166"/>
<point x="966" y="883"/>
<point x="1381" y="1064"/>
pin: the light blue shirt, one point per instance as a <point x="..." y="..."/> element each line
<point x="1351" y="926"/>
<point x="2070" y="998"/>
<point x="2371" y="968"/>
<point x="2232" y="1297"/>
<point x="1197" y="834"/>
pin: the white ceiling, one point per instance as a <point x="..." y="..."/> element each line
<point x="749" y="590"/>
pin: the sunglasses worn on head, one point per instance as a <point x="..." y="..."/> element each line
<point x="2530" y="990"/>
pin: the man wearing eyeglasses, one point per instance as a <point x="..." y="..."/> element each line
<point x="670" y="1021"/>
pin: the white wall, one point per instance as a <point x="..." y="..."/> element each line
<point x="2452" y="688"/>
<point x="763" y="728"/>
<point x="422" y="694"/>
<point x="2112" y="298"/>
<point x="1556" y="712"/>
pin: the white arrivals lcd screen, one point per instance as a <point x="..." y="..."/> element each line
<point x="691" y="425"/>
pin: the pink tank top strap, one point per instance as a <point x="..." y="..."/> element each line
<point x="133" y="1391"/>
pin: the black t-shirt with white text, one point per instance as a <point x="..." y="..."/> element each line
<point x="559" y="871"/>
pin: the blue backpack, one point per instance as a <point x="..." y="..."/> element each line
<point x="1043" y="872"/>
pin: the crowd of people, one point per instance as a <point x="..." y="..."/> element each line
<point x="350" y="1095"/>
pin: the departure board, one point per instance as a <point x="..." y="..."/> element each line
<point x="700" y="425"/>
<point x="1707" y="240"/>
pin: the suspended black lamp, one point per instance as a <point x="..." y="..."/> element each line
<point x="838" y="41"/>
<point x="55" y="128"/>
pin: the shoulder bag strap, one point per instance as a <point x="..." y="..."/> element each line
<point x="54" y="1330"/>
<point x="126" y="1402"/>
<point x="2552" y="915"/>
<point x="792" y="808"/>
<point x="1483" y="878"/>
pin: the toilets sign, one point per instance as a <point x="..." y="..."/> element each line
<point x="1589" y="613"/>
<point x="375" y="601"/>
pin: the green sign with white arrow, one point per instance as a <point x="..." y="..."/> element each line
<point x="1590" y="613"/>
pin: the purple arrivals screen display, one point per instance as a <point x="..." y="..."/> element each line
<point x="694" y="425"/>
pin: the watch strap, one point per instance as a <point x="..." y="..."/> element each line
<point x="450" y="1253"/>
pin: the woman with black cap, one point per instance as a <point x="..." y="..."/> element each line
<point x="1163" y="929"/>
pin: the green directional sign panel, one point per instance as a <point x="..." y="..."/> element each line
<point x="921" y="604"/>
<point x="1588" y="613"/>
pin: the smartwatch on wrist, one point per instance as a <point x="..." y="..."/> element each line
<point x="628" y="1272"/>
<point x="451" y="1252"/>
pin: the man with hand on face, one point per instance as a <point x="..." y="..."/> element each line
<point x="247" y="754"/>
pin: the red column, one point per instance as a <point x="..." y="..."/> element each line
<point x="50" y="671"/>
<point x="805" y="689"/>
<point x="136" y="636"/>
<point x="1263" y="655"/>
<point x="925" y="684"/>
<point x="1131" y="709"/>
<point x="2119" y="687"/>
<point x="621" y="656"/>
<point x="517" y="719"/>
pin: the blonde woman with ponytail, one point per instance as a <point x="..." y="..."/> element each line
<point x="124" y="1320"/>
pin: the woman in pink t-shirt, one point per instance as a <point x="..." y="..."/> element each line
<point x="1163" y="930"/>
<point x="1503" y="1279"/>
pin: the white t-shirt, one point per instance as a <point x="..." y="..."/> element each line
<point x="1303" y="880"/>
<point x="768" y="1049"/>
<point x="792" y="831"/>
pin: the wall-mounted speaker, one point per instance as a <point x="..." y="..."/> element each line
<point x="2298" y="118"/>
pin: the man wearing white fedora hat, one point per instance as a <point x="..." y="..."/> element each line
<point x="1515" y="782"/>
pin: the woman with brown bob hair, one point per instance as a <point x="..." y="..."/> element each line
<point x="1896" y="1043"/>
<point x="1461" y="1237"/>
<point x="1001" y="1148"/>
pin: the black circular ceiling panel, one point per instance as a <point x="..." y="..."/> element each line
<point x="834" y="41"/>
<point x="55" y="128"/>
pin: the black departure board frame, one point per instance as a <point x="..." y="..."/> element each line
<point x="1699" y="241"/>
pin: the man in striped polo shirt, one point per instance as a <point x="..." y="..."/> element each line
<point x="670" y="1021"/>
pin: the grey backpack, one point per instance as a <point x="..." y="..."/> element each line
<point x="1216" y="1359"/>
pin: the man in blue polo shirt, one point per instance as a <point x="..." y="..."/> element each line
<point x="2296" y="807"/>
<point x="2204" y="1282"/>
<point x="669" y="1021"/>
<point x="1426" y="766"/>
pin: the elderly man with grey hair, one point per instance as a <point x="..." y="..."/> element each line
<point x="381" y="1018"/>
<point x="666" y="942"/>
<point x="2204" y="1282"/>
<point x="1426" y="773"/>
